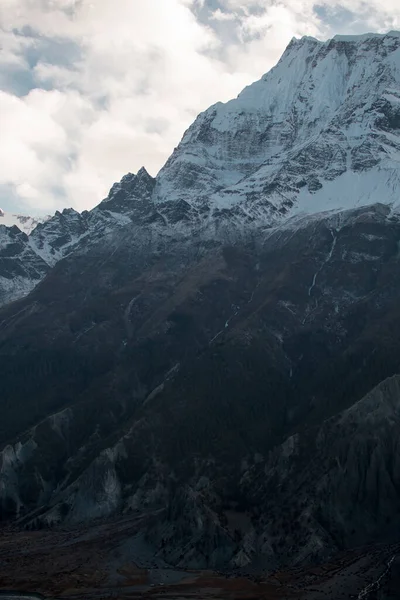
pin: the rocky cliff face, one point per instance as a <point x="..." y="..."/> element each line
<point x="215" y="351"/>
<point x="20" y="266"/>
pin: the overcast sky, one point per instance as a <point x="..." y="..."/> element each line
<point x="92" y="89"/>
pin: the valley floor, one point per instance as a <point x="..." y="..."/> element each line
<point x="103" y="562"/>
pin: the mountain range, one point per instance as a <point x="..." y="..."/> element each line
<point x="214" y="352"/>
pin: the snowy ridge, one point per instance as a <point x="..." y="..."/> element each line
<point x="24" y="222"/>
<point x="365" y="36"/>
<point x="25" y="259"/>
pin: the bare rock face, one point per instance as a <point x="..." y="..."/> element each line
<point x="215" y="351"/>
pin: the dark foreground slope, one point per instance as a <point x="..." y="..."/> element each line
<point x="233" y="395"/>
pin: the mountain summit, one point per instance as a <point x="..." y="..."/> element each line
<point x="299" y="138"/>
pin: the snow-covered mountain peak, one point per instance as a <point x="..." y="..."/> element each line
<point x="326" y="109"/>
<point x="24" y="222"/>
<point x="143" y="173"/>
<point x="66" y="212"/>
<point x="132" y="192"/>
<point x="350" y="38"/>
<point x="366" y="36"/>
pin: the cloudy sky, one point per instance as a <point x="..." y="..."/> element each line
<point x="92" y="89"/>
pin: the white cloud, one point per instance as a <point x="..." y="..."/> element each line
<point x="218" y="15"/>
<point x="142" y="71"/>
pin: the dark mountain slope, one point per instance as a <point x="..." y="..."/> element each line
<point x="195" y="383"/>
